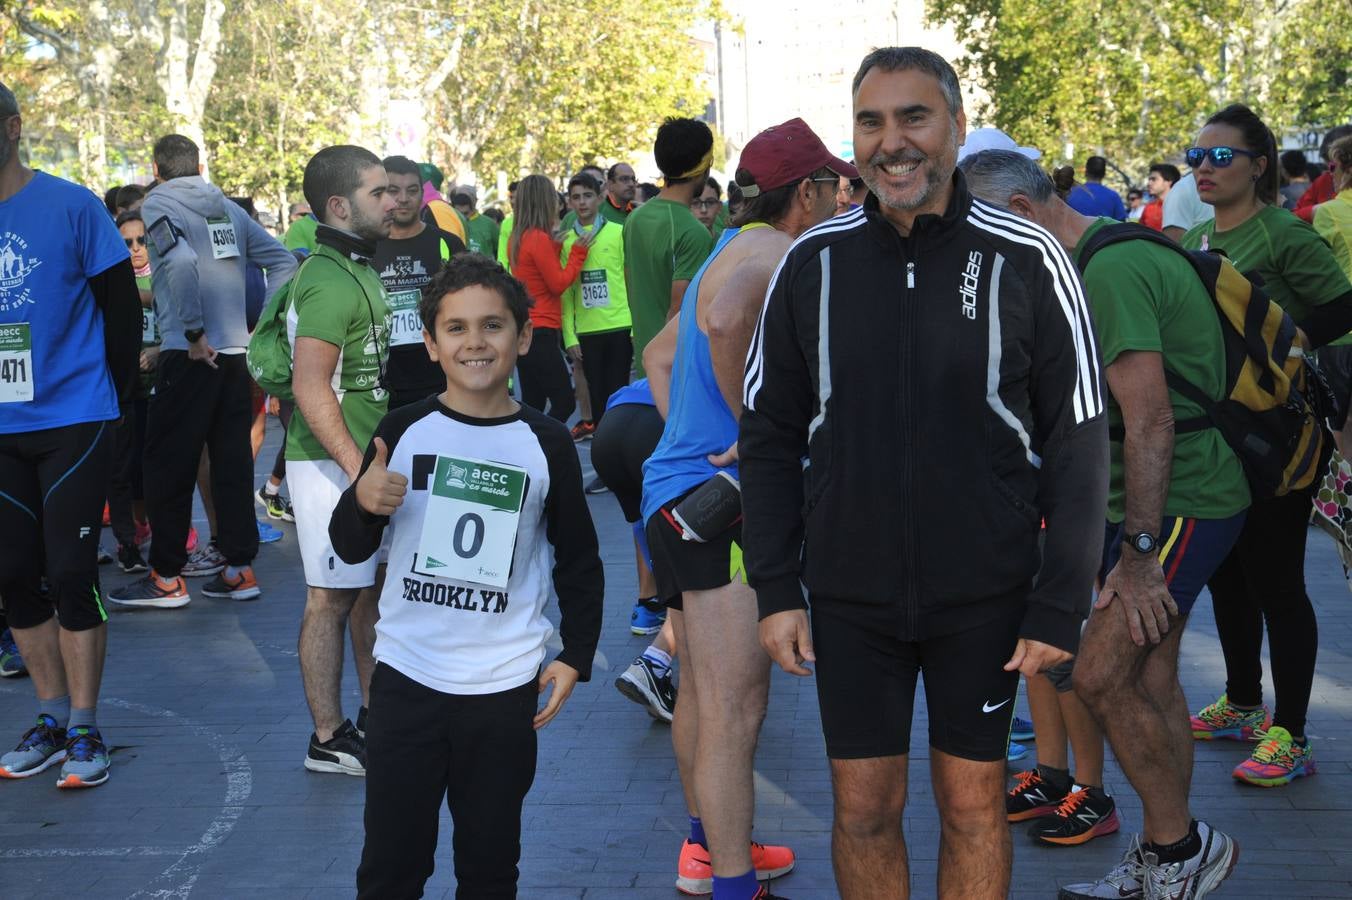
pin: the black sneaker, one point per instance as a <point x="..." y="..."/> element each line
<point x="595" y="486"/>
<point x="130" y="559"/>
<point x="1085" y="814"/>
<point x="1032" y="797"/>
<point x="344" y="753"/>
<point x="642" y="684"/>
<point x="361" y="722"/>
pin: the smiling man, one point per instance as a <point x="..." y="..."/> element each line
<point x="926" y="479"/>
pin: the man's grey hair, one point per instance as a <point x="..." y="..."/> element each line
<point x="997" y="175"/>
<point x="9" y="104"/>
<point x="905" y="59"/>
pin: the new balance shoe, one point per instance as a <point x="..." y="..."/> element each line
<point x="86" y="764"/>
<point x="1223" y="719"/>
<point x="643" y="684"/>
<point x="41" y="746"/>
<point x="153" y="591"/>
<point x="276" y="506"/>
<point x="583" y="431"/>
<point x="344" y="753"/>
<point x="242" y="587"/>
<point x="1021" y="730"/>
<point x="203" y="561"/>
<point x="130" y="560"/>
<point x="648" y="616"/>
<point x="695" y="872"/>
<point x="1015" y="752"/>
<point x="1277" y="760"/>
<point x="11" y="662"/>
<point x="1085" y="814"/>
<point x="267" y="534"/>
<point x="1032" y="797"/>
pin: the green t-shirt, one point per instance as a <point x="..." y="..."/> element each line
<point x="481" y="236"/>
<point x="1298" y="269"/>
<point x="301" y="234"/>
<point x="326" y="303"/>
<point x="1147" y="297"/>
<point x="664" y="243"/>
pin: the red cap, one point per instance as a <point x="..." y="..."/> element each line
<point x="783" y="154"/>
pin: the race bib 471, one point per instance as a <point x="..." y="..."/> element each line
<point x="16" y="363"/>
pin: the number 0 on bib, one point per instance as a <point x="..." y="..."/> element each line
<point x="469" y="527"/>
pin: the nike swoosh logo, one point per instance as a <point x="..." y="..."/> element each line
<point x="987" y="708"/>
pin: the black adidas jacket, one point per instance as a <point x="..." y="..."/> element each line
<point x="914" y="408"/>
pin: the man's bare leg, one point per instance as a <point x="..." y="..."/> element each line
<point x="82" y="653"/>
<point x="976" y="854"/>
<point x="868" y="849"/>
<point x="40" y="647"/>
<point x="321" y="655"/>
<point x="685" y="721"/>
<point x="1049" y="729"/>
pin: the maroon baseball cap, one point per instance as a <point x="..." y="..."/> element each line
<point x="785" y="153"/>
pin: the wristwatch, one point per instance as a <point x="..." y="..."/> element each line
<point x="1145" y="542"/>
<point x="194" y="335"/>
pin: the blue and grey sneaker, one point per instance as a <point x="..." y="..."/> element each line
<point x="648" y="616"/>
<point x="1021" y="730"/>
<point x="11" y="663"/>
<point x="87" y="762"/>
<point x="41" y="746"/>
<point x="1016" y="752"/>
<point x="267" y="534"/>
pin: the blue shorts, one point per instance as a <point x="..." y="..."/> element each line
<point x="1190" y="550"/>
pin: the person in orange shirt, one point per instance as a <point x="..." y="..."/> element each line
<point x="1163" y="177"/>
<point x="533" y="253"/>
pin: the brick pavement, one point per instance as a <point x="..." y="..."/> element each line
<point x="208" y="798"/>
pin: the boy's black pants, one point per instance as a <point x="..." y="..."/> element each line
<point x="476" y="751"/>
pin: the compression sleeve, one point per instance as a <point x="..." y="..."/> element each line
<point x="116" y="294"/>
<point x="1328" y="321"/>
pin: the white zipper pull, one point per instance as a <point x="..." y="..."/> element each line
<point x="910" y="274"/>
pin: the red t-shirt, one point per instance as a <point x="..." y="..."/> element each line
<point x="1153" y="215"/>
<point x="1320" y="192"/>
<point x="537" y="265"/>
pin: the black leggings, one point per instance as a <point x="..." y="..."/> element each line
<point x="284" y="410"/>
<point x="51" y="485"/>
<point x="127" y="483"/>
<point x="422" y="746"/>
<point x="606" y="358"/>
<point x="1263" y="580"/>
<point x="544" y="376"/>
<point x="620" y="447"/>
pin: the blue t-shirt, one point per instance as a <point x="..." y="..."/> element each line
<point x="699" y="422"/>
<point x="1093" y="199"/>
<point x="636" y="394"/>
<point x="54" y="237"/>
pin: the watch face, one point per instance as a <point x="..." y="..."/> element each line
<point x="1144" y="543"/>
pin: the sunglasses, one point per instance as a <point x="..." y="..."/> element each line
<point x="1221" y="157"/>
<point x="705" y="204"/>
<point x="141" y="240"/>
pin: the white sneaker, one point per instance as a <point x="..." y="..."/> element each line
<point x="1124" y="882"/>
<point x="1141" y="875"/>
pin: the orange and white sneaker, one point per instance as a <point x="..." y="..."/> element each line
<point x="242" y="587"/>
<point x="153" y="591"/>
<point x="695" y="871"/>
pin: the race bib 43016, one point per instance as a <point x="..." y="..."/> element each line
<point x="469" y="526"/>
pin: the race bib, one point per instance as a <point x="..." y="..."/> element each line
<point x="223" y="243"/>
<point x="595" y="289"/>
<point x="469" y="527"/>
<point x="150" y="332"/>
<point x="16" y="363"/>
<point x="407" y="324"/>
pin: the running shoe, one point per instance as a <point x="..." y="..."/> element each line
<point x="1032" y="797"/>
<point x="242" y="587"/>
<point x="595" y="486"/>
<point x="1085" y="814"/>
<point x="130" y="559"/>
<point x="203" y="561"/>
<point x="11" y="662"/>
<point x="1223" y="719"/>
<point x="1021" y="730"/>
<point x="1126" y="881"/>
<point x="1015" y="752"/>
<point x="267" y="534"/>
<point x="695" y="873"/>
<point x="277" y="506"/>
<point x="191" y="544"/>
<point x="153" y="591"/>
<point x="583" y="431"/>
<point x="344" y="753"/>
<point x="41" y="746"/>
<point x="642" y="684"/>
<point x="648" y="616"/>
<point x="87" y="762"/>
<point x="1141" y="874"/>
<point x="104" y="556"/>
<point x="143" y="533"/>
<point x="1277" y="760"/>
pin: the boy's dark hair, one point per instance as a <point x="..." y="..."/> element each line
<point x="495" y="214"/>
<point x="459" y="198"/>
<point x="582" y="179"/>
<point x="467" y="270"/>
<point x="1168" y="171"/>
<point x="1095" y="167"/>
<point x="110" y="199"/>
<point x="176" y="157"/>
<point x="906" y="59"/>
<point x="402" y="165"/>
<point x="1257" y="139"/>
<point x="335" y="172"/>
<point x="681" y="147"/>
<point x="511" y="186"/>
<point x="129" y="194"/>
<point x="1294" y="164"/>
<point x="712" y="182"/>
<point x="648" y="190"/>
<point x="131" y="215"/>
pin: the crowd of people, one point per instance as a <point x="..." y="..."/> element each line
<point x="811" y="394"/>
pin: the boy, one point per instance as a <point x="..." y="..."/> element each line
<point x="484" y="498"/>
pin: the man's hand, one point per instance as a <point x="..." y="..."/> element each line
<point x="724" y="459"/>
<point x="787" y="637"/>
<point x="149" y="356"/>
<point x="274" y="406"/>
<point x="575" y="353"/>
<point x="564" y="678"/>
<point x="587" y="238"/>
<point x="1032" y="657"/>
<point x="1145" y="598"/>
<point x="200" y="351"/>
<point x="379" y="491"/>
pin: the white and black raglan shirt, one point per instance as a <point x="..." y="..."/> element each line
<point x="459" y="637"/>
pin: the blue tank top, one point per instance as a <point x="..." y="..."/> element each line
<point x="698" y="419"/>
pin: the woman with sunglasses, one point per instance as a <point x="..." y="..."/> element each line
<point x="1235" y="167"/>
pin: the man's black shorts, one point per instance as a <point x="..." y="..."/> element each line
<point x="680" y="565"/>
<point x="866" y="680"/>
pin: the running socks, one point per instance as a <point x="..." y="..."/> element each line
<point x="58" y="708"/>
<point x="697" y="833"/>
<point x="83" y="718"/>
<point x="1185" y="848"/>
<point x="660" y="659"/>
<point x="232" y="572"/>
<point x="742" y="887"/>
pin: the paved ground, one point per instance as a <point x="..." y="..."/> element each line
<point x="208" y="797"/>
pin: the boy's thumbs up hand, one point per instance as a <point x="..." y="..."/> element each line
<point x="379" y="491"/>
